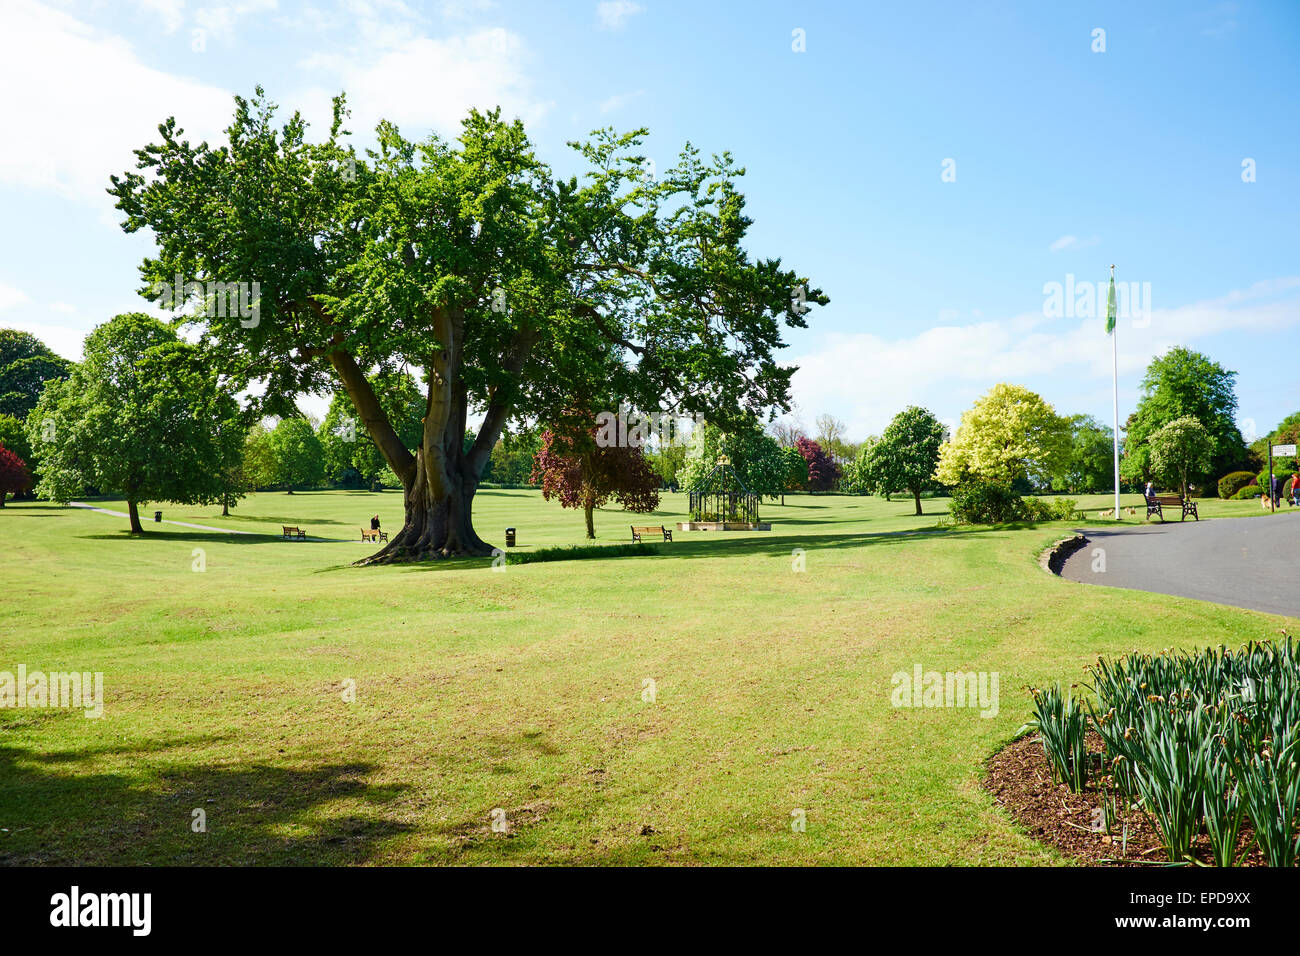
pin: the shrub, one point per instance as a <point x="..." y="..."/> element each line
<point x="1282" y="478"/>
<point x="581" y="552"/>
<point x="1233" y="482"/>
<point x="1035" y="509"/>
<point x="1250" y="491"/>
<point x="1064" y="509"/>
<point x="985" y="502"/>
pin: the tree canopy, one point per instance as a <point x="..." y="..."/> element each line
<point x="14" y="475"/>
<point x="581" y="473"/>
<point x="508" y="289"/>
<point x="822" y="470"/>
<point x="1180" y="450"/>
<point x="26" y="364"/>
<point x="295" y="455"/>
<point x="1010" y="433"/>
<point x="1089" y="467"/>
<point x="143" y="415"/>
<point x="905" y="457"/>
<point x="1182" y="383"/>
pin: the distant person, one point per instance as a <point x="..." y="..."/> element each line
<point x="1295" y="490"/>
<point x="1151" y="490"/>
<point x="1273" y="489"/>
<point x="374" y="523"/>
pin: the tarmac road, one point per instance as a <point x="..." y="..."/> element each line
<point x="1244" y="562"/>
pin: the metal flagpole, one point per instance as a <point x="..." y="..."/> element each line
<point x="1114" y="359"/>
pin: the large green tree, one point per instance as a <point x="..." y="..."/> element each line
<point x="297" y="460"/>
<point x="1009" y="434"/>
<point x="1180" y="450"/>
<point x="905" y="457"/>
<point x="1090" y="465"/>
<point x="143" y="415"/>
<point x="1179" y="383"/>
<point x="507" y="288"/>
<point x="26" y="364"/>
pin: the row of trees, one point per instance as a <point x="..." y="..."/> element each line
<point x="118" y="420"/>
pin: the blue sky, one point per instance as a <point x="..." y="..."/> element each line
<point x="1066" y="159"/>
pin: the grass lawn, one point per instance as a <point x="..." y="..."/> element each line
<point x="522" y="689"/>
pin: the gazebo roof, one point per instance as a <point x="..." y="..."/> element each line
<point x="722" y="477"/>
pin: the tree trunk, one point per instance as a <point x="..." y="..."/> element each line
<point x="439" y="481"/>
<point x="917" y="496"/>
<point x="225" y="507"/>
<point x="2" y="498"/>
<point x="134" y="509"/>
<point x="589" y="509"/>
<point x="438" y="506"/>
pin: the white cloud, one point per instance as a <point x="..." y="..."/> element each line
<point x="86" y="102"/>
<point x="169" y="12"/>
<point x="419" y="82"/>
<point x="11" y="296"/>
<point x="1073" y="242"/>
<point x="464" y="9"/>
<point x="865" y="379"/>
<point x="614" y="14"/>
<point x="618" y="101"/>
<point x="63" y="308"/>
<point x="219" y="19"/>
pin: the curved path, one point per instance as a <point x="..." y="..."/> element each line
<point x="1245" y="562"/>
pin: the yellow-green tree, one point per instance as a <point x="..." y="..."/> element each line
<point x="1009" y="433"/>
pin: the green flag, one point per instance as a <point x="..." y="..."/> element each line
<point x="1110" y="308"/>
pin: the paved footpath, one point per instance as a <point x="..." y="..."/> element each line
<point x="1244" y="562"/>
<point x="183" y="524"/>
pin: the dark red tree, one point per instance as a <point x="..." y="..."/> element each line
<point x="14" y="476"/>
<point x="573" y="468"/>
<point x="822" y="471"/>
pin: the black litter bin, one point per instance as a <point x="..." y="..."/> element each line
<point x="510" y="537"/>
<point x="157" y="516"/>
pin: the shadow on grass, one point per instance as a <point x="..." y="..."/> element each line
<point x="256" y="814"/>
<point x="283" y="520"/>
<point x="721" y="544"/>
<point x="248" y="537"/>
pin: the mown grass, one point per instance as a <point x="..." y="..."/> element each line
<point x="523" y="690"/>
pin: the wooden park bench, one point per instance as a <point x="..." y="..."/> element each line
<point x="1157" y="503"/>
<point x="637" y="532"/>
<point x="290" y="532"/>
<point x="375" y="535"/>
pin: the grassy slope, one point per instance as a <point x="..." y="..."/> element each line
<point x="522" y="689"/>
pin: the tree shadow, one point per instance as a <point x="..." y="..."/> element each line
<point x="255" y="814"/>
<point x="253" y="537"/>
<point x="719" y="544"/>
<point x="284" y="520"/>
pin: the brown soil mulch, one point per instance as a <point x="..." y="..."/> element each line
<point x="1020" y="779"/>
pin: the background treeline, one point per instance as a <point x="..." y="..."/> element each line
<point x="108" y="424"/>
